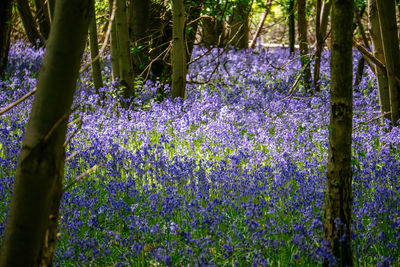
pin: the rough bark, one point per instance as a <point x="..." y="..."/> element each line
<point x="381" y="76"/>
<point x="94" y="53"/>
<point x="303" y="43"/>
<point x="338" y="196"/>
<point x="29" y="24"/>
<point x="292" y="30"/>
<point x="124" y="58"/>
<point x="390" y="41"/>
<point x="261" y="24"/>
<point x="30" y="233"/>
<point x="114" y="45"/>
<point x="178" y="49"/>
<point x="5" y="31"/>
<point x="240" y="25"/>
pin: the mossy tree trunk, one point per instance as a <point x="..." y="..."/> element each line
<point x="30" y="233"/>
<point x="338" y="196"/>
<point x="178" y="49"/>
<point x="240" y="24"/>
<point x="381" y="76"/>
<point x="390" y="41"/>
<point x="5" y="31"/>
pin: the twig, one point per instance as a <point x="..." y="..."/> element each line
<point x="371" y="120"/>
<point x="4" y="110"/>
<point x="72" y="155"/>
<point x="80" y="177"/>
<point x="369" y="55"/>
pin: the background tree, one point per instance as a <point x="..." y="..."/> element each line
<point x="377" y="46"/>
<point x="42" y="16"/>
<point x="30" y="234"/>
<point x="239" y="22"/>
<point x="94" y="53"/>
<point x="303" y="43"/>
<point x="114" y="43"/>
<point x="178" y="49"/>
<point x="338" y="196"/>
<point x="291" y="23"/>
<point x="28" y="21"/>
<point x="5" y="31"/>
<point x="126" y="74"/>
<point x="390" y="41"/>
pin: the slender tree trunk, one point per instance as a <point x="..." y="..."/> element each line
<point x="324" y="18"/>
<point x="114" y="45"/>
<point x="381" y="76"/>
<point x="240" y="25"/>
<point x="194" y="13"/>
<point x="94" y="53"/>
<point x="390" y="41"/>
<point x="303" y="43"/>
<point x="292" y="30"/>
<point x="30" y="233"/>
<point x="178" y="49"/>
<point x="319" y="45"/>
<point x="50" y="6"/>
<point x="338" y="196"/>
<point x="361" y="61"/>
<point x="43" y="18"/>
<point x="29" y="23"/>
<point x="124" y="57"/>
<point x="261" y="24"/>
<point x="5" y="31"/>
<point x="139" y="11"/>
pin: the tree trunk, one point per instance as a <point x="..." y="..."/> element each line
<point x="338" y="196"/>
<point x="124" y="57"/>
<point x="5" y="31"/>
<point x="240" y="25"/>
<point x="390" y="41"/>
<point x="261" y="24"/>
<point x="381" y="76"/>
<point x="139" y="11"/>
<point x="194" y="13"/>
<point x="29" y="24"/>
<point x="94" y="53"/>
<point x="178" y="49"/>
<point x="292" y="30"/>
<point x="30" y="233"/>
<point x="114" y="45"/>
<point x="303" y="44"/>
<point x="323" y="25"/>
<point x="319" y="45"/>
<point x="50" y="6"/>
<point x="42" y="16"/>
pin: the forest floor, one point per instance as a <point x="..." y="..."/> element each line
<point x="233" y="174"/>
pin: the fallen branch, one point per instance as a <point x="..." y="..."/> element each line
<point x="80" y="177"/>
<point x="369" y="55"/>
<point x="4" y="110"/>
<point x="371" y="120"/>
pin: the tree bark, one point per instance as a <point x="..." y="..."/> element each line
<point x="194" y="13"/>
<point x="390" y="41"/>
<point x="178" y="49"/>
<point x="338" y="196"/>
<point x="303" y="43"/>
<point x="114" y="45"/>
<point x="124" y="58"/>
<point x="30" y="233"/>
<point x="94" y="53"/>
<point x="240" y="24"/>
<point x="5" y="31"/>
<point x="50" y="6"/>
<point x="29" y="24"/>
<point x="292" y="30"/>
<point x="381" y="76"/>
<point x="261" y="24"/>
